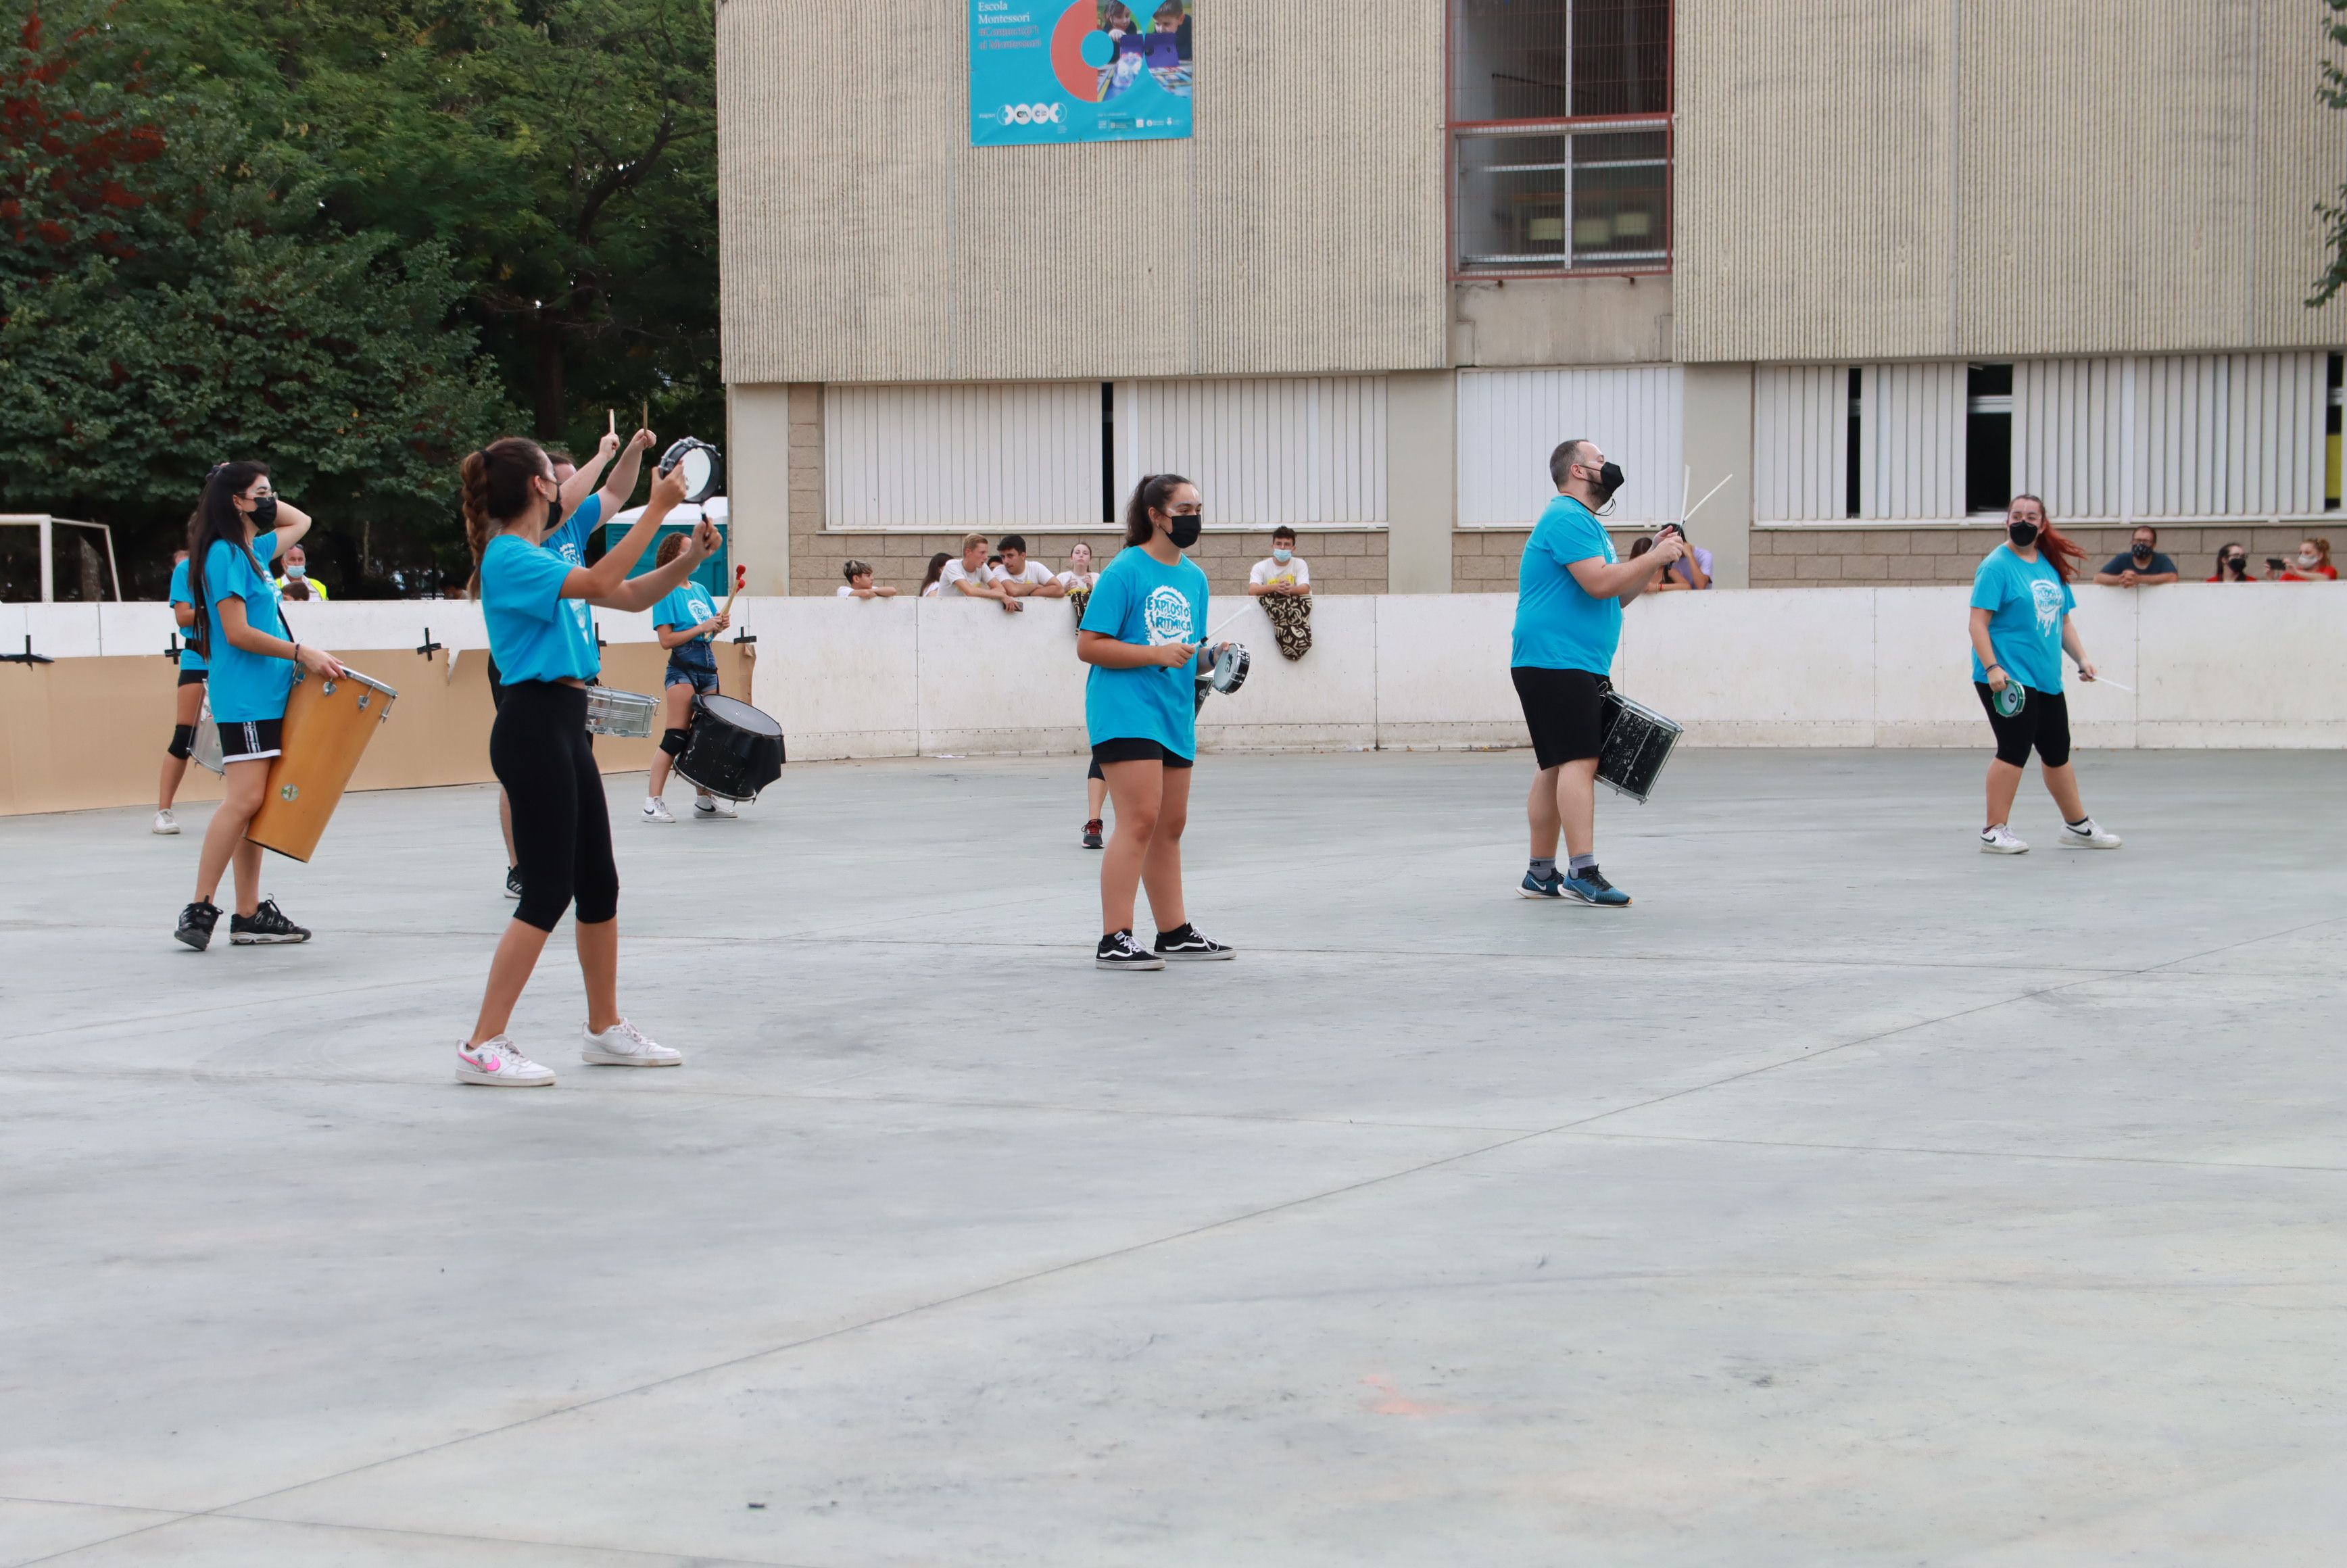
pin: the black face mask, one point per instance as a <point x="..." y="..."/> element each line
<point x="1184" y="529"/>
<point x="264" y="513"/>
<point x="1608" y="480"/>
<point x="2022" y="534"/>
<point x="2143" y="552"/>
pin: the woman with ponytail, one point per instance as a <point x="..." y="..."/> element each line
<point x="1141" y="634"/>
<point x="239" y="526"/>
<point x="2021" y="627"/>
<point x="535" y="601"/>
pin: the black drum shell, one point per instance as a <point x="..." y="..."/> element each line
<point x="1638" y="742"/>
<point x="730" y="754"/>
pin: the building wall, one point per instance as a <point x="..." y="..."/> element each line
<point x="1813" y="556"/>
<point x="864" y="239"/>
<point x="1914" y="178"/>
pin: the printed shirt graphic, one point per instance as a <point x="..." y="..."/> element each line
<point x="1139" y="599"/>
<point x="569" y="540"/>
<point x="535" y="633"/>
<point x="1558" y="625"/>
<point x="687" y="604"/>
<point x="1269" y="573"/>
<point x="245" y="685"/>
<point x="181" y="593"/>
<point x="2026" y="601"/>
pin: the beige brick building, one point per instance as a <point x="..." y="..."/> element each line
<point x="1866" y="268"/>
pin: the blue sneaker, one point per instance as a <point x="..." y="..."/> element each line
<point x="1590" y="887"/>
<point x="1549" y="886"/>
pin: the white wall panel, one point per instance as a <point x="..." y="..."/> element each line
<point x="988" y="456"/>
<point x="1801" y="443"/>
<point x="1509" y="420"/>
<point x="2069" y="432"/>
<point x="1911" y="442"/>
<point x="1291" y="449"/>
<point x="2228" y="434"/>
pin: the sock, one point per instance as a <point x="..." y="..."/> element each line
<point x="2081" y="822"/>
<point x="1544" y="866"/>
<point x="1579" y="864"/>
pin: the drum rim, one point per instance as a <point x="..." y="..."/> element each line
<point x="701" y="702"/>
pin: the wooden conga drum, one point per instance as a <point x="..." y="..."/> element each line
<point x="329" y="719"/>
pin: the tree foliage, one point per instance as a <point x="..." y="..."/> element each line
<point x="2333" y="90"/>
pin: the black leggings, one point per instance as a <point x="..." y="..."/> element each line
<point x="2044" y="723"/>
<point x="562" y="827"/>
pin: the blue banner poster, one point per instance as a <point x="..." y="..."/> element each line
<point x="1098" y="70"/>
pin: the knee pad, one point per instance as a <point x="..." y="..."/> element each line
<point x="672" y="742"/>
<point x="183" y="741"/>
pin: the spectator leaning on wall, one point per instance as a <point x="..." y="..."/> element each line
<point x="2312" y="565"/>
<point x="1282" y="584"/>
<point x="970" y="576"/>
<point x="2141" y="565"/>
<point x="2233" y="564"/>
<point x="930" y="583"/>
<point x="1021" y="577"/>
<point x="297" y="569"/>
<point x="860" y="583"/>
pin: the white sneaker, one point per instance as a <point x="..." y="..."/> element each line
<point x="2000" y="840"/>
<point x="2093" y="836"/>
<point x="656" y="809"/>
<point x="497" y="1063"/>
<point x="166" y="823"/>
<point x="623" y="1045"/>
<point x="710" y="807"/>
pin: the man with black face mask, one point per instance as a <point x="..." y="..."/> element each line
<point x="2141" y="565"/>
<point x="1571" y="589"/>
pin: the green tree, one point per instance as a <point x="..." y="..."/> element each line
<point x="2333" y="90"/>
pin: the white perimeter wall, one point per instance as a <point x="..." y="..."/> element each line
<point x="2258" y="665"/>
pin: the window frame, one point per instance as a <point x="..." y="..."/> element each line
<point x="1454" y="129"/>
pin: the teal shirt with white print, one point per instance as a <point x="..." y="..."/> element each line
<point x="2027" y="601"/>
<point x="1141" y="599"/>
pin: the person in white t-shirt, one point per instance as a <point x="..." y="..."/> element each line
<point x="971" y="577"/>
<point x="1080" y="576"/>
<point x="1285" y="572"/>
<point x="1022" y="578"/>
<point x="936" y="567"/>
<point x="860" y="583"/>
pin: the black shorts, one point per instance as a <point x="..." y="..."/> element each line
<point x="497" y="687"/>
<point x="1566" y="711"/>
<point x="2044" y="723"/>
<point x="192" y="677"/>
<point x="1133" y="749"/>
<point x="251" y="740"/>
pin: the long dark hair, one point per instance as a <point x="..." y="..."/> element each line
<point x="2064" y="551"/>
<point x="216" y="518"/>
<point x="494" y="485"/>
<point x="937" y="567"/>
<point x="1153" y="491"/>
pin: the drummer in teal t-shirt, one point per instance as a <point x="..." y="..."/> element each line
<point x="684" y="621"/>
<point x="239" y="526"/>
<point x="2020" y="626"/>
<point x="1141" y="634"/>
<point x="190" y="700"/>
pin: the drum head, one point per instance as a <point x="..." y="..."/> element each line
<point x="697" y="461"/>
<point x="738" y="714"/>
<point x="1230" y="668"/>
<point x="2011" y="700"/>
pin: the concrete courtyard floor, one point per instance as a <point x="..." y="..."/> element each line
<point x="1854" y="1198"/>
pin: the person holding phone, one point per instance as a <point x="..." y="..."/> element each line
<point x="1141" y="635"/>
<point x="2312" y="565"/>
<point x="2021" y="627"/>
<point x="239" y="526"/>
<point x="535" y="603"/>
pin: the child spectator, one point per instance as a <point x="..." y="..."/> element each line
<point x="859" y="581"/>
<point x="971" y="577"/>
<point x="1023" y="577"/>
<point x="2141" y="565"/>
<point x="1080" y="576"/>
<point x="931" y="583"/>
<point x="1284" y="584"/>
<point x="2314" y="563"/>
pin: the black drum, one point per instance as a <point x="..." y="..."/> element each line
<point x="1638" y="742"/>
<point x="730" y="749"/>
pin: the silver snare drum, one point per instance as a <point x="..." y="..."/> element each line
<point x="1638" y="742"/>
<point x="627" y="714"/>
<point x="206" y="752"/>
<point x="1230" y="668"/>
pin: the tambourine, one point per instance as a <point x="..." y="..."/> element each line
<point x="1230" y="671"/>
<point x="2010" y="700"/>
<point x="702" y="468"/>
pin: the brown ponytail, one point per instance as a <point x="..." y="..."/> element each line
<point x="493" y="484"/>
<point x="1155" y="490"/>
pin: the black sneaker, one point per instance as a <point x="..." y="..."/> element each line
<point x="1092" y="834"/>
<point x="513" y="881"/>
<point x="196" y="923"/>
<point x="1117" y="951"/>
<point x="1186" y="943"/>
<point x="268" y="925"/>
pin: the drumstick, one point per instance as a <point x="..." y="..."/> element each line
<point x="740" y="576"/>
<point x="1233" y="615"/>
<point x="1708" y="495"/>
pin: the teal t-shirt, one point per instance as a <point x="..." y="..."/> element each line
<point x="569" y="540"/>
<point x="1558" y="625"/>
<point x="1141" y="599"/>
<point x="245" y="686"/>
<point x="687" y="604"/>
<point x="2027" y="603"/>
<point x="535" y="633"/>
<point x="181" y="593"/>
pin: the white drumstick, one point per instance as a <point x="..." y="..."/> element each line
<point x="1708" y="495"/>
<point x="1227" y="620"/>
<point x="2099" y="680"/>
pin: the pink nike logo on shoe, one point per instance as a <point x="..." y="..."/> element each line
<point x="485" y="1064"/>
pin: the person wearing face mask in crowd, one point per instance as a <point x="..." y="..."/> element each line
<point x="296" y="562"/>
<point x="2141" y="565"/>
<point x="2233" y="564"/>
<point x="2021" y="627"/>
<point x="2312" y="565"/>
<point x="1282" y="584"/>
<point x="1570" y="592"/>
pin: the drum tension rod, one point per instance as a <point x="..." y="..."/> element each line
<point x="429" y="646"/>
<point x="26" y="657"/>
<point x="171" y="649"/>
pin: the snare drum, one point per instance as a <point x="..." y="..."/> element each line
<point x="1638" y="742"/>
<point x="207" y="753"/>
<point x="329" y="719"/>
<point x="1230" y="671"/>
<point x="730" y="749"/>
<point x="611" y="711"/>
